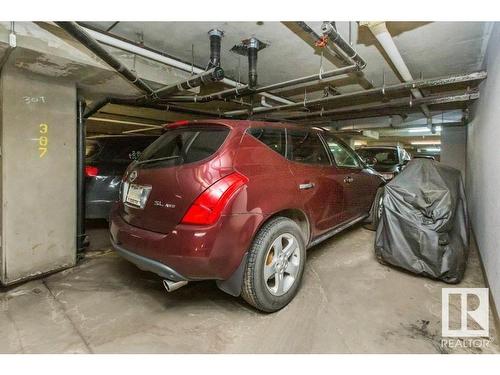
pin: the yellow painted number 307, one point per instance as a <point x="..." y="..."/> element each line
<point x="43" y="141"/>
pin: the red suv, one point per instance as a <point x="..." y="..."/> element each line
<point x="240" y="202"/>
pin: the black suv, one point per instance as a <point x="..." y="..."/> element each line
<point x="387" y="160"/>
<point x="107" y="158"/>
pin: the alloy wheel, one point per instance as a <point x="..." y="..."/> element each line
<point x="282" y="264"/>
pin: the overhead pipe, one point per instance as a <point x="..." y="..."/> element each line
<point x="89" y="42"/>
<point x="214" y="74"/>
<point x="215" y="48"/>
<point x="148" y="53"/>
<point x="379" y="30"/>
<point x="402" y="126"/>
<point x="379" y="91"/>
<point x="134" y="102"/>
<point x="253" y="50"/>
<point x="11" y="47"/>
<point x="245" y="91"/>
<point x="329" y="29"/>
<point x="391" y="105"/>
<point x="80" y="176"/>
<point x="162" y="106"/>
<point x="347" y="54"/>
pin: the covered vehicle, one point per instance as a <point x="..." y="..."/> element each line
<point x="424" y="224"/>
<point x="107" y="158"/>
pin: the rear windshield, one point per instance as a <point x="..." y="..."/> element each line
<point x="118" y="149"/>
<point x="184" y="145"/>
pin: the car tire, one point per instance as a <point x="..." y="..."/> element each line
<point x="375" y="212"/>
<point x="271" y="281"/>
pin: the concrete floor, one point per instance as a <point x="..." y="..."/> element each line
<point x="348" y="303"/>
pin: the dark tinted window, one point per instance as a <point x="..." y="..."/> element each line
<point x="306" y="147"/>
<point x="272" y="137"/>
<point x="117" y="149"/>
<point x="184" y="145"/>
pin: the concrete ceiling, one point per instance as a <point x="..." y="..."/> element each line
<point x="430" y="49"/>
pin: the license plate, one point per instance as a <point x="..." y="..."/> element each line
<point x="137" y="195"/>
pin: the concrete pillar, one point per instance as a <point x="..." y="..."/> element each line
<point x="38" y="167"/>
<point x="454" y="147"/>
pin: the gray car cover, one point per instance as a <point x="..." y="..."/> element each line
<point x="424" y="224"/>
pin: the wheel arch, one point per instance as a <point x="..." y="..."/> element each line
<point x="233" y="285"/>
<point x="296" y="215"/>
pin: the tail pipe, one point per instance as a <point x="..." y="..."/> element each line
<point x="171" y="286"/>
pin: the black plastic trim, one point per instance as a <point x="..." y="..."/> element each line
<point x="148" y="264"/>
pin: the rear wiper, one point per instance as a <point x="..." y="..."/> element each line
<point x="159" y="159"/>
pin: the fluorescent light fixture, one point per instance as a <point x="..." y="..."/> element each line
<point x="423" y="130"/>
<point x="359" y="143"/>
<point x="437" y="142"/>
<point x="433" y="149"/>
<point x="103" y="119"/>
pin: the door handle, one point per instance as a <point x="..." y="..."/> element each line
<point x="348" y="179"/>
<point x="309" y="185"/>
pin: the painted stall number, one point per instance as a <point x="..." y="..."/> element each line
<point x="43" y="141"/>
<point x="34" y="99"/>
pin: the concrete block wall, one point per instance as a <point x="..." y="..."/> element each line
<point x="483" y="167"/>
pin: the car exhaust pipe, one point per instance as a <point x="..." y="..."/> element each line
<point x="171" y="286"/>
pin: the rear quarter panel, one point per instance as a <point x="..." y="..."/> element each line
<point x="271" y="187"/>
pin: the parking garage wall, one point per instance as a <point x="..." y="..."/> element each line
<point x="453" y="147"/>
<point x="483" y="167"/>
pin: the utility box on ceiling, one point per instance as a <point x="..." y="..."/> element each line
<point x="38" y="167"/>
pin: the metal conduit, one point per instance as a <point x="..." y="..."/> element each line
<point x="210" y="76"/>
<point x="423" y="83"/>
<point x="348" y="54"/>
<point x="393" y="104"/>
<point x="84" y="38"/>
<point x="329" y="29"/>
<point x="245" y="90"/>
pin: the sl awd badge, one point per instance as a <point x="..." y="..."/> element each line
<point x="161" y="204"/>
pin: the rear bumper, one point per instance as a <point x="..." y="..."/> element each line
<point x="147" y="264"/>
<point x="188" y="252"/>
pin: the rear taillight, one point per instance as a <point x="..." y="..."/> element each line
<point x="91" y="171"/>
<point x="208" y="207"/>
